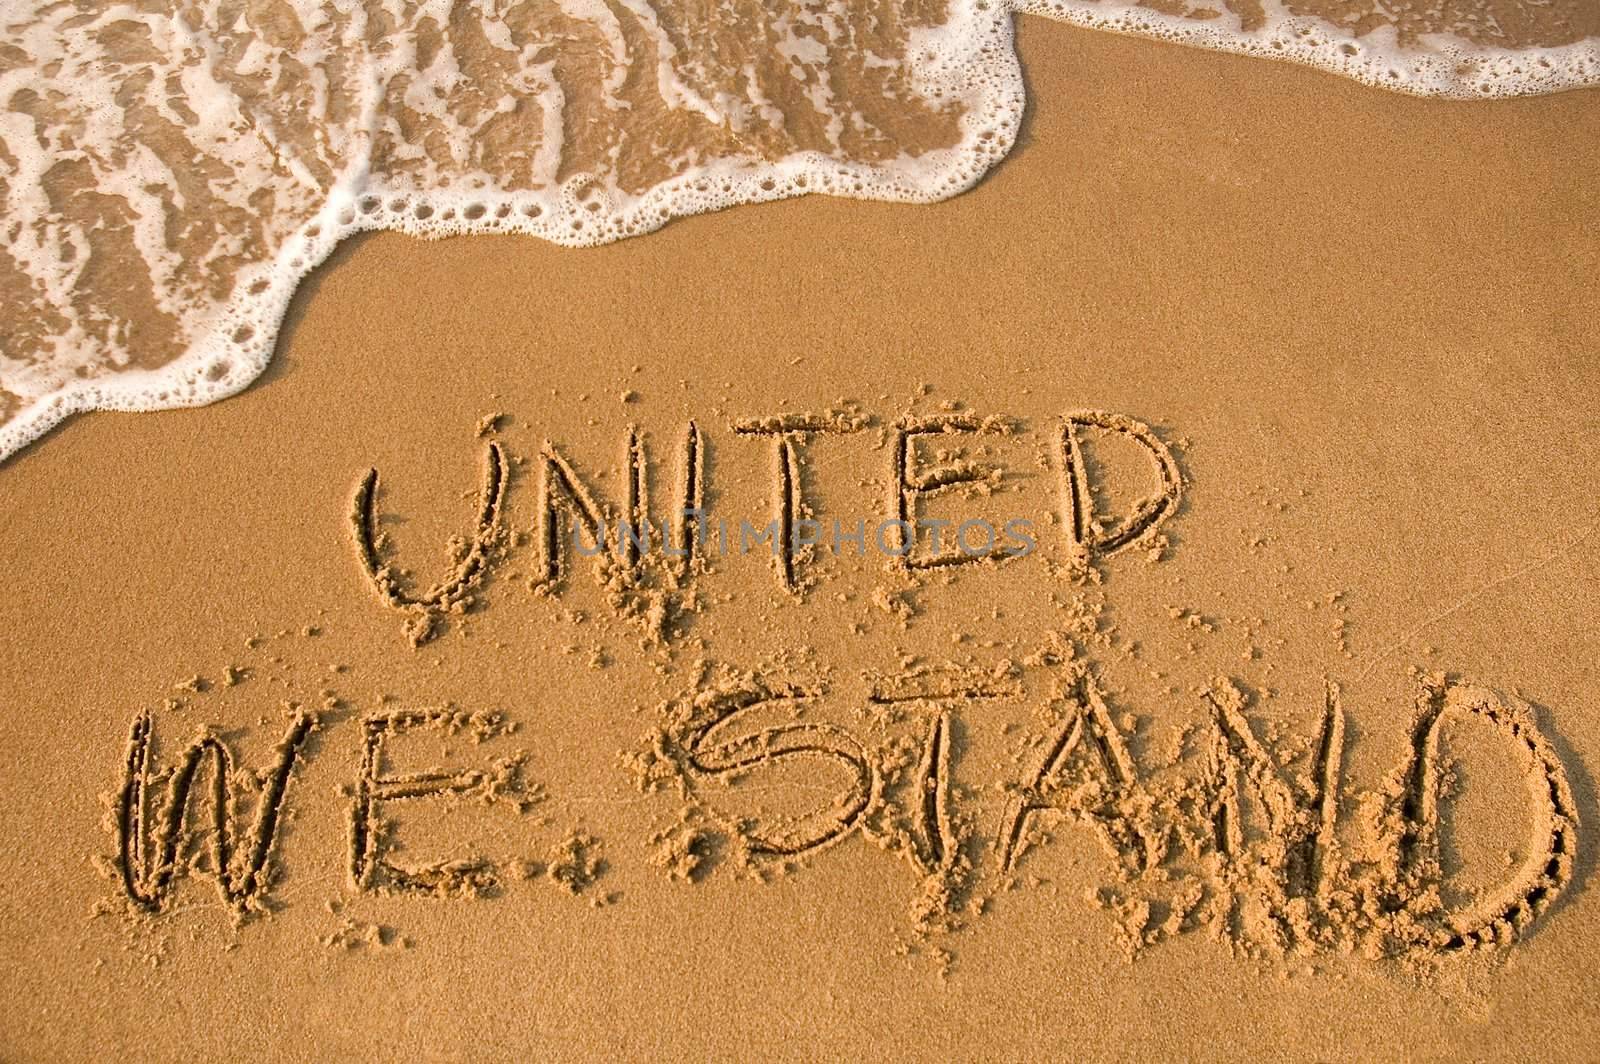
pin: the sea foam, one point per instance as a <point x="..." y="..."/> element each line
<point x="170" y="173"/>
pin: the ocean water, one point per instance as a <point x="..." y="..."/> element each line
<point x="171" y="169"/>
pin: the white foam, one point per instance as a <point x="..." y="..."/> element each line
<point x="1438" y="66"/>
<point x="363" y="172"/>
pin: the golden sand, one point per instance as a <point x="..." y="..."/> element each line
<point x="1275" y="745"/>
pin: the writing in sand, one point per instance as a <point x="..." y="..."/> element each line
<point x="962" y="773"/>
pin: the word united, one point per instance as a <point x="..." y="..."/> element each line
<point x="619" y="536"/>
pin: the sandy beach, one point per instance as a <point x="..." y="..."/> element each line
<point x="1360" y="324"/>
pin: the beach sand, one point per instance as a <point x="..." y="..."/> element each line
<point x="1361" y="323"/>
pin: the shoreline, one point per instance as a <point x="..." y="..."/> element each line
<point x="970" y="57"/>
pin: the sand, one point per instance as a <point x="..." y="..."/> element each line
<point x="1069" y="803"/>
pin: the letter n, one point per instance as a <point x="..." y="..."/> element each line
<point x="1302" y="820"/>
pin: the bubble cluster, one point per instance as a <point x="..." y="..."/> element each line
<point x="1444" y="63"/>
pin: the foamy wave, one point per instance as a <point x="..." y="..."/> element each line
<point x="168" y="178"/>
<point x="1412" y="47"/>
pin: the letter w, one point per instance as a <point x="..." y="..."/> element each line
<point x="149" y="845"/>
